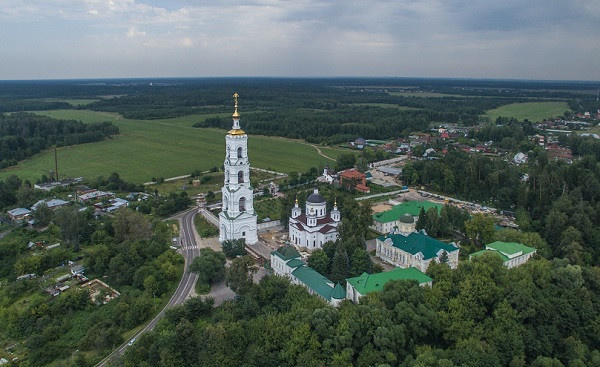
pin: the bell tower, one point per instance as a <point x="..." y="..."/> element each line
<point x="237" y="218"/>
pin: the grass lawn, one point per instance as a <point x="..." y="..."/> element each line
<point x="204" y="228"/>
<point x="533" y="111"/>
<point x="267" y="208"/>
<point x="162" y="148"/>
<point x="423" y="94"/>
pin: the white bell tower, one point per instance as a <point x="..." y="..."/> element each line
<point x="237" y="218"/>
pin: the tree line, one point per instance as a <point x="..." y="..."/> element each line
<point x="24" y="134"/>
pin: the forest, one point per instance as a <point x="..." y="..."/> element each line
<point x="24" y="134"/>
<point x="544" y="313"/>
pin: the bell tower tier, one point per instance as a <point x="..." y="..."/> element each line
<point x="237" y="218"/>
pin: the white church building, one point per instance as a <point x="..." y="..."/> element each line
<point x="308" y="231"/>
<point x="237" y="218"/>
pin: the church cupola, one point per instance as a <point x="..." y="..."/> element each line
<point x="335" y="213"/>
<point x="296" y="211"/>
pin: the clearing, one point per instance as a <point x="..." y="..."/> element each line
<point x="532" y="111"/>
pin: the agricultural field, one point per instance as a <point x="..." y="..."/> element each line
<point x="163" y="148"/>
<point x="532" y="111"/>
<point x="73" y="102"/>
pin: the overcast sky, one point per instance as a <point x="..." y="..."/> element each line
<point x="530" y="39"/>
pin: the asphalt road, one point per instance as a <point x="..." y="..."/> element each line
<point x="189" y="250"/>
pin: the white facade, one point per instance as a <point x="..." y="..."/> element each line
<point x="308" y="231"/>
<point x="420" y="259"/>
<point x="237" y="218"/>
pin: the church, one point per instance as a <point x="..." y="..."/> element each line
<point x="308" y="231"/>
<point x="237" y="218"/>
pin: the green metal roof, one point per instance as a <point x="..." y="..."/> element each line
<point x="338" y="292"/>
<point x="419" y="242"/>
<point x="410" y="207"/>
<point x="294" y="263"/>
<point x="509" y="248"/>
<point x="366" y="283"/>
<point x="286" y="252"/>
<point x="504" y="250"/>
<point x="315" y="281"/>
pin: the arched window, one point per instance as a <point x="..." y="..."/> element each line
<point x="226" y="176"/>
<point x="243" y="204"/>
<point x="240" y="176"/>
<point x="239" y="151"/>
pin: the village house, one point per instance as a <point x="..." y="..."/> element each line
<point x="53" y="204"/>
<point x="19" y="214"/>
<point x="416" y="249"/>
<point x="512" y="254"/>
<point x="357" y="178"/>
<point x="366" y="283"/>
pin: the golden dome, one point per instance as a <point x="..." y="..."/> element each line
<point x="236" y="132"/>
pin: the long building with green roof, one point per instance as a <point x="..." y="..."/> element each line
<point x="366" y="283"/>
<point x="286" y="261"/>
<point x="512" y="253"/>
<point x="416" y="249"/>
<point x="385" y="222"/>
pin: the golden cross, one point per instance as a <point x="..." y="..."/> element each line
<point x="235" y="98"/>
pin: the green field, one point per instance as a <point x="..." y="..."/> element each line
<point x="74" y="102"/>
<point x="533" y="111"/>
<point x="162" y="148"/>
<point x="423" y="94"/>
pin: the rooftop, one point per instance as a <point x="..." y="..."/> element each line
<point x="416" y="242"/>
<point x="317" y="282"/>
<point x="506" y="250"/>
<point x="410" y="207"/>
<point x="286" y="253"/>
<point x="366" y="283"/>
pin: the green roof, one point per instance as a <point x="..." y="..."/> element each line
<point x="286" y="252"/>
<point x="509" y="248"/>
<point x="315" y="281"/>
<point x="338" y="292"/>
<point x="366" y="283"/>
<point x="505" y="250"/>
<point x="294" y="263"/>
<point x="419" y="242"/>
<point x="410" y="207"/>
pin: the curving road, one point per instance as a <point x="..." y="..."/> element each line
<point x="189" y="250"/>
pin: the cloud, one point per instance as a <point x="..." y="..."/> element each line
<point x="553" y="39"/>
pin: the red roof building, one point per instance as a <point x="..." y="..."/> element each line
<point x="357" y="176"/>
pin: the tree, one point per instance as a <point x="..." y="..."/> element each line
<point x="130" y="225"/>
<point x="319" y="261"/>
<point x="344" y="161"/>
<point x="210" y="266"/>
<point x="233" y="248"/>
<point x="422" y="221"/>
<point x="73" y="224"/>
<point x="360" y="262"/>
<point x="340" y="265"/>
<point x="480" y="229"/>
<point x="42" y="214"/>
<point x="239" y="275"/>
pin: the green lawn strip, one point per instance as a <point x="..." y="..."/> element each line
<point x="268" y="208"/>
<point x="204" y="228"/>
<point x="423" y="94"/>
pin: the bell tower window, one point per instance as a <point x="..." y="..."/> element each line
<point x="239" y="152"/>
<point x="242" y="204"/>
<point x="240" y="176"/>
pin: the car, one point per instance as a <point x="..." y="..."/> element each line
<point x="131" y="342"/>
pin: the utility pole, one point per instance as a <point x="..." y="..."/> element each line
<point x="56" y="162"/>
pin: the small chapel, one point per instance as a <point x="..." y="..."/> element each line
<point x="308" y="231"/>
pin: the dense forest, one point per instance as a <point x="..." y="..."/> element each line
<point x="545" y="313"/>
<point x="24" y="134"/>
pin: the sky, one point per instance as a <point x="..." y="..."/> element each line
<point x="514" y="39"/>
